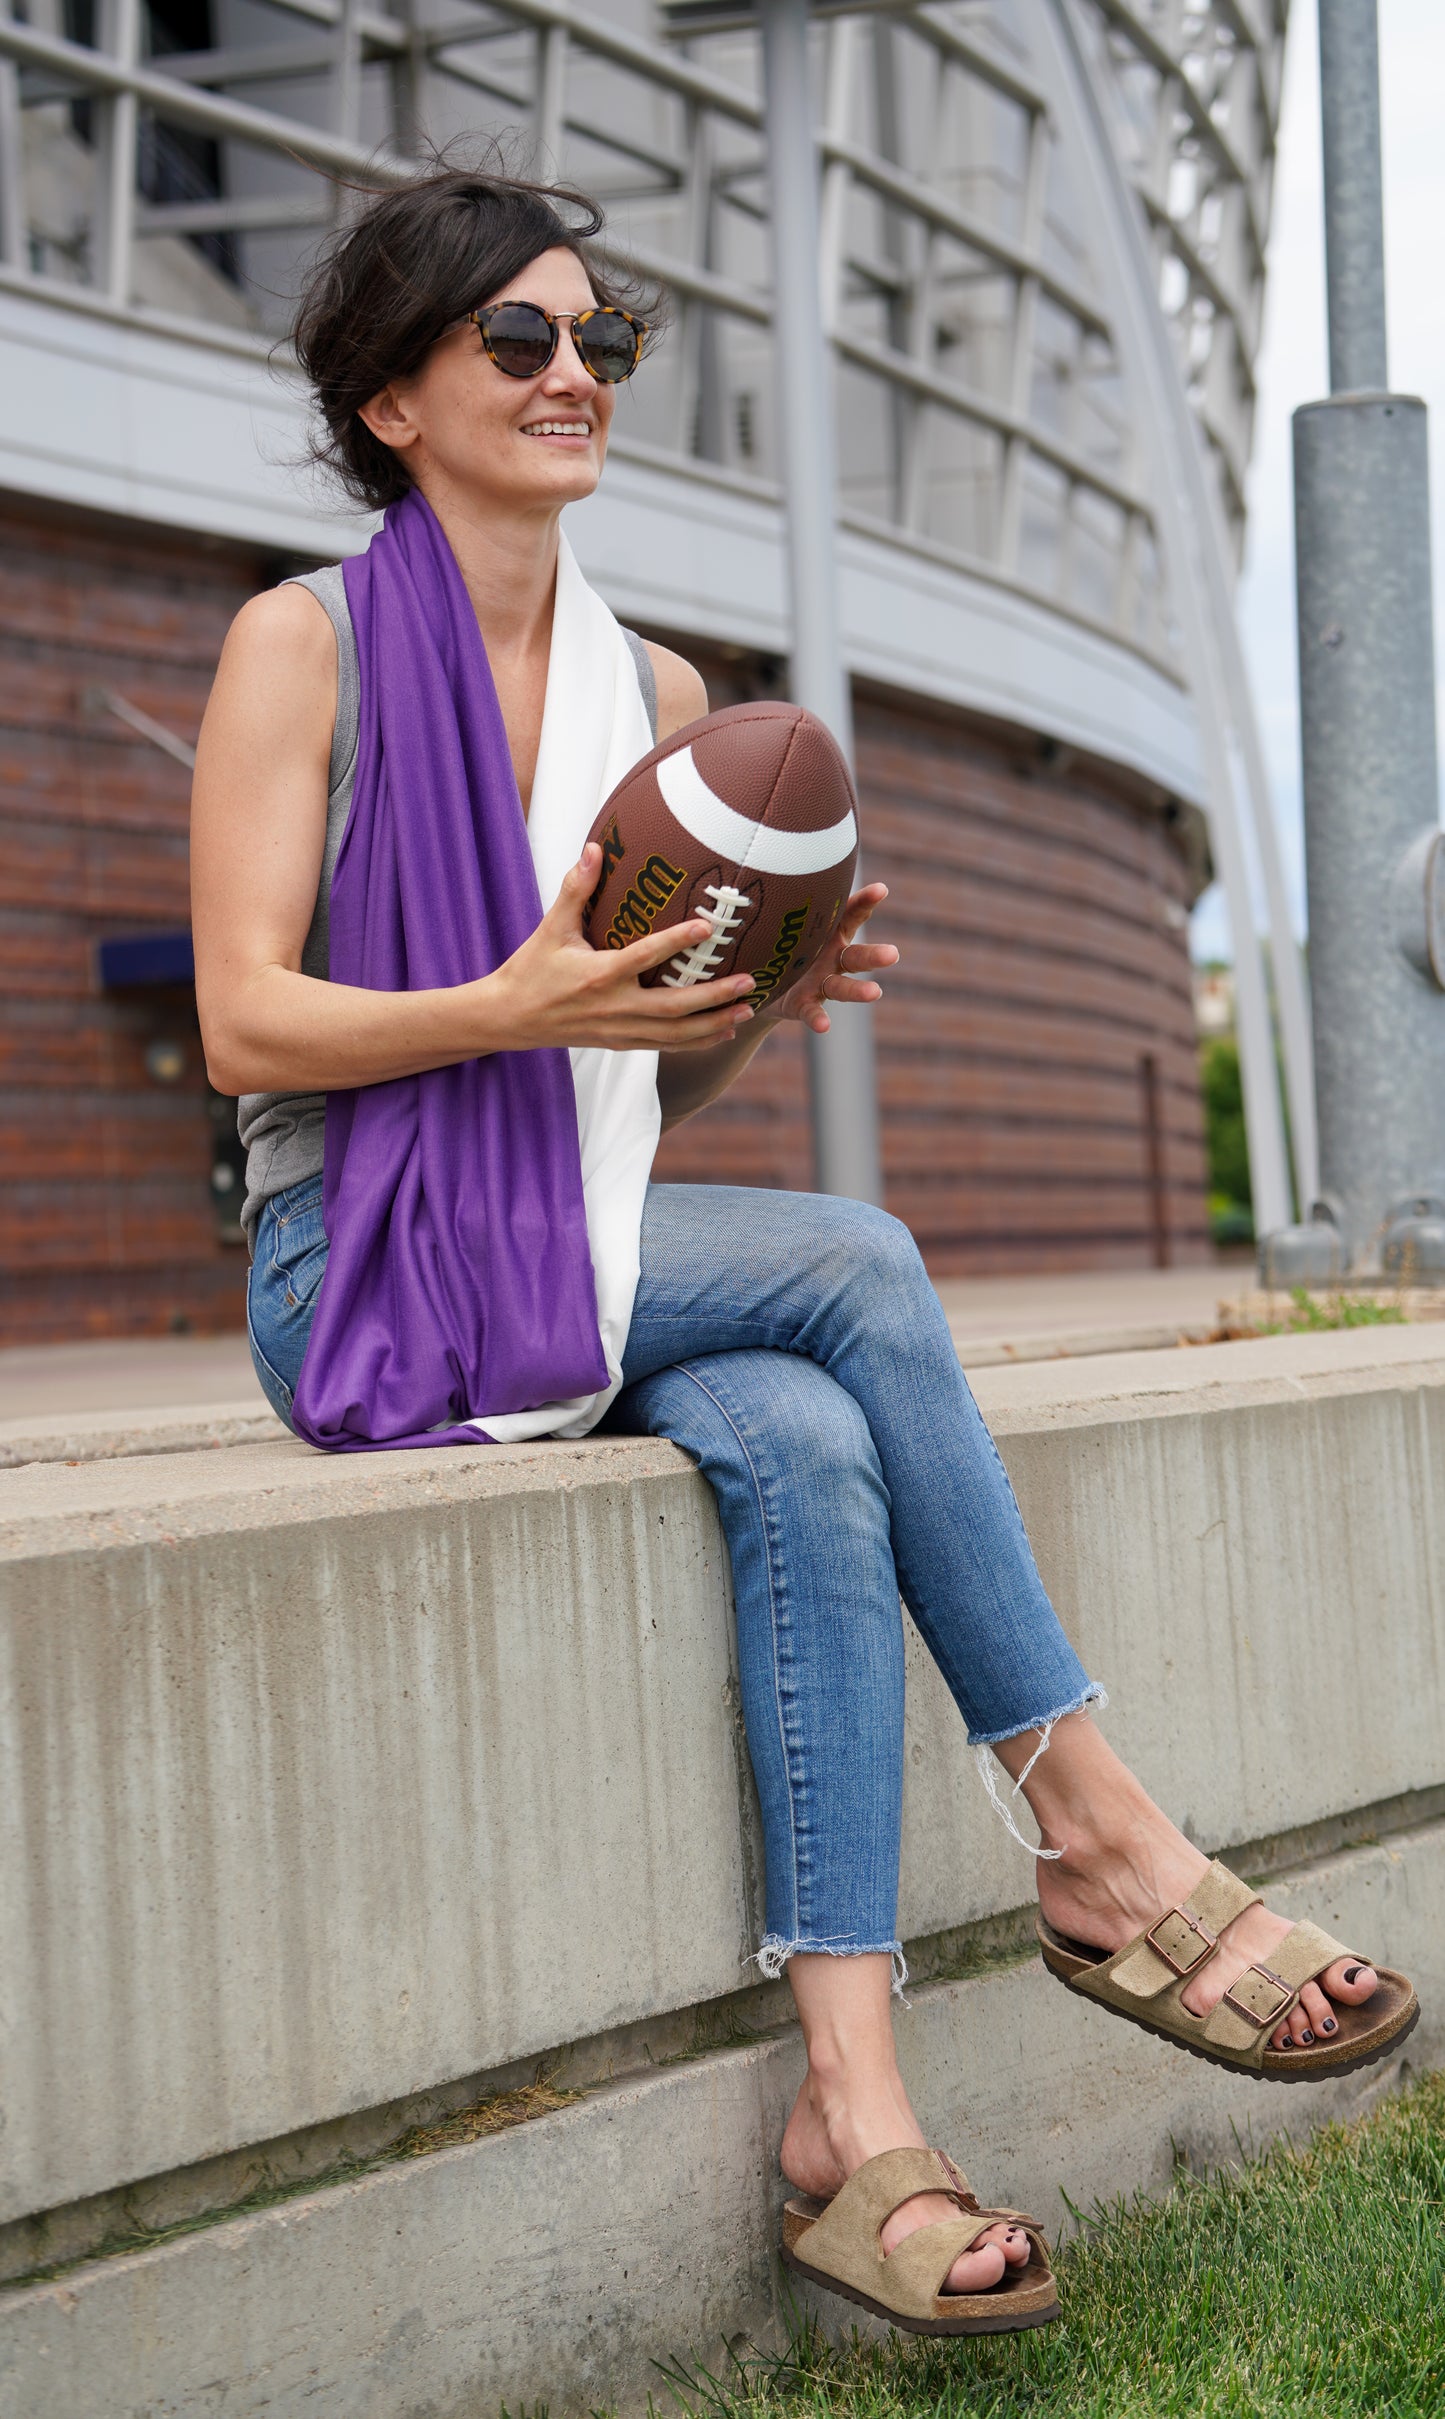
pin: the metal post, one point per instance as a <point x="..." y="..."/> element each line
<point x="14" y="248"/>
<point x="551" y="102"/>
<point x="1367" y="712"/>
<point x="115" y="172"/>
<point x="346" y="73"/>
<point x="844" y="1097"/>
<point x="1354" y="197"/>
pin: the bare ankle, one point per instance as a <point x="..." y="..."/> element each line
<point x="1086" y="1802"/>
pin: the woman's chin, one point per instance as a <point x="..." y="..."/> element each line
<point x="556" y="476"/>
<point x="555" y="479"/>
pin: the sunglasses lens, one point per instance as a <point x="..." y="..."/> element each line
<point x="520" y="339"/>
<point x="608" y="343"/>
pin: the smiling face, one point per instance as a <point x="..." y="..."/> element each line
<point x="467" y="429"/>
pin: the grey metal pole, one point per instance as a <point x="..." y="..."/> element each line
<point x="1354" y="195"/>
<point x="1367" y="716"/>
<point x="840" y="1064"/>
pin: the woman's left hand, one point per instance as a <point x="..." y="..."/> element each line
<point x="842" y="973"/>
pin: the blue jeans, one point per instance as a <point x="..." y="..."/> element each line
<point x="794" y="1348"/>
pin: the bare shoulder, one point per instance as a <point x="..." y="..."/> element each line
<point x="275" y="685"/>
<point x="284" y="630"/>
<point x="681" y="695"/>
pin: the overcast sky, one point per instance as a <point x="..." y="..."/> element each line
<point x="1293" y="366"/>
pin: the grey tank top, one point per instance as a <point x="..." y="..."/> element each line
<point x="284" y="1133"/>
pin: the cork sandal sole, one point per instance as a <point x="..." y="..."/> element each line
<point x="1023" y="2297"/>
<point x="1367" y="2033"/>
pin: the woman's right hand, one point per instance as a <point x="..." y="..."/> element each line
<point x="558" y="992"/>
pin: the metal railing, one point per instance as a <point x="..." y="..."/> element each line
<point x="982" y="413"/>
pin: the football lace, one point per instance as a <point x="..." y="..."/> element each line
<point x="725" y="915"/>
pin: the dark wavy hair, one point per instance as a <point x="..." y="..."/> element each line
<point x="410" y="261"/>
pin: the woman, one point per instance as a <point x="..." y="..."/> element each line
<point x="465" y="351"/>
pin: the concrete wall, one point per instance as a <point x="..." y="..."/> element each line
<point x="556" y="2263"/>
<point x="326" y="1783"/>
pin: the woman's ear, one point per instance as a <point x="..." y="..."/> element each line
<point x="389" y="419"/>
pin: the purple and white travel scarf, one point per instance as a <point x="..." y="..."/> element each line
<point x="460" y="1277"/>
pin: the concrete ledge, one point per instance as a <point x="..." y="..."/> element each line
<point x="327" y="1782"/>
<point x="557" y="2262"/>
<point x="66" y="1436"/>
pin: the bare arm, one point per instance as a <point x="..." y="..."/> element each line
<point x="257" y="836"/>
<point x="686" y="1082"/>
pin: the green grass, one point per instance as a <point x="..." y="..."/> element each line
<point x="1311" y="2286"/>
<point x="1312" y="1315"/>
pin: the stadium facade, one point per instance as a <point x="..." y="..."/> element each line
<point x="1043" y="247"/>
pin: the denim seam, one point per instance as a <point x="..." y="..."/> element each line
<point x="724" y="1413"/>
<point x="264" y="1356"/>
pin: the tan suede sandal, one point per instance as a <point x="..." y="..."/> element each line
<point x="836" y="2244"/>
<point x="1145" y="1982"/>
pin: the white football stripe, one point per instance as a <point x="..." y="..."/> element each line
<point x="762" y="850"/>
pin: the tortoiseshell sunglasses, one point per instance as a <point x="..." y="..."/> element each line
<point x="521" y="338"/>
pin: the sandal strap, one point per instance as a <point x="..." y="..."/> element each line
<point x="861" y="2208"/>
<point x="915" y="2273"/>
<point x="843" y="2244"/>
<point x="1183" y="1939"/>
<point x="1257" y="1999"/>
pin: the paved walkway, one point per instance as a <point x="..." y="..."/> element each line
<point x="993" y="1319"/>
<point x="1085" y="1311"/>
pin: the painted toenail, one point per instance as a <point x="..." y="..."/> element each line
<point x="1306" y="2035"/>
<point x="1353" y="1973"/>
<point x="1329" y="2025"/>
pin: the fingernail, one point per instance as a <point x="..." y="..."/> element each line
<point x="1329" y="2025"/>
<point x="1305" y="2036"/>
<point x="1353" y="1973"/>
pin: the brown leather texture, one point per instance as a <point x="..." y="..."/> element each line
<point x="779" y="768"/>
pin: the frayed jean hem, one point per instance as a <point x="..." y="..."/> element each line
<point x="775" y="1952"/>
<point x="1094" y="1694"/>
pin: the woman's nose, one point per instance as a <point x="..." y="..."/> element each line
<point x="569" y="361"/>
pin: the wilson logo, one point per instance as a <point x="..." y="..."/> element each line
<point x="614" y="849"/>
<point x="767" y="978"/>
<point x="640" y="907"/>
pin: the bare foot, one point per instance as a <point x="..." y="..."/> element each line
<point x="1123" y="1864"/>
<point x="825" y="2142"/>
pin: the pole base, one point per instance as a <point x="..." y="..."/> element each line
<point x="1311" y="1253"/>
<point x="1413" y="1249"/>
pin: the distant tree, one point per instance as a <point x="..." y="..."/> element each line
<point x="1223" y="1095"/>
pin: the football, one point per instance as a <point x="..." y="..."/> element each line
<point x="747" y="817"/>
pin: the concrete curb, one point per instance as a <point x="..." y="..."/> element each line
<point x="561" y="2260"/>
<point x="65" y="1436"/>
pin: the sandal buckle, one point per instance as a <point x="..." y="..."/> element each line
<point x="1253" y="2015"/>
<point x="1183" y="1957"/>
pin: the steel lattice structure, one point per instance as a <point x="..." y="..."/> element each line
<point x="1008" y="350"/>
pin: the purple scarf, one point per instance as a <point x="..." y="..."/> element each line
<point x="459" y="1278"/>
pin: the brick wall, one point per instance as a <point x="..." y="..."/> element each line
<point x="107" y="1225"/>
